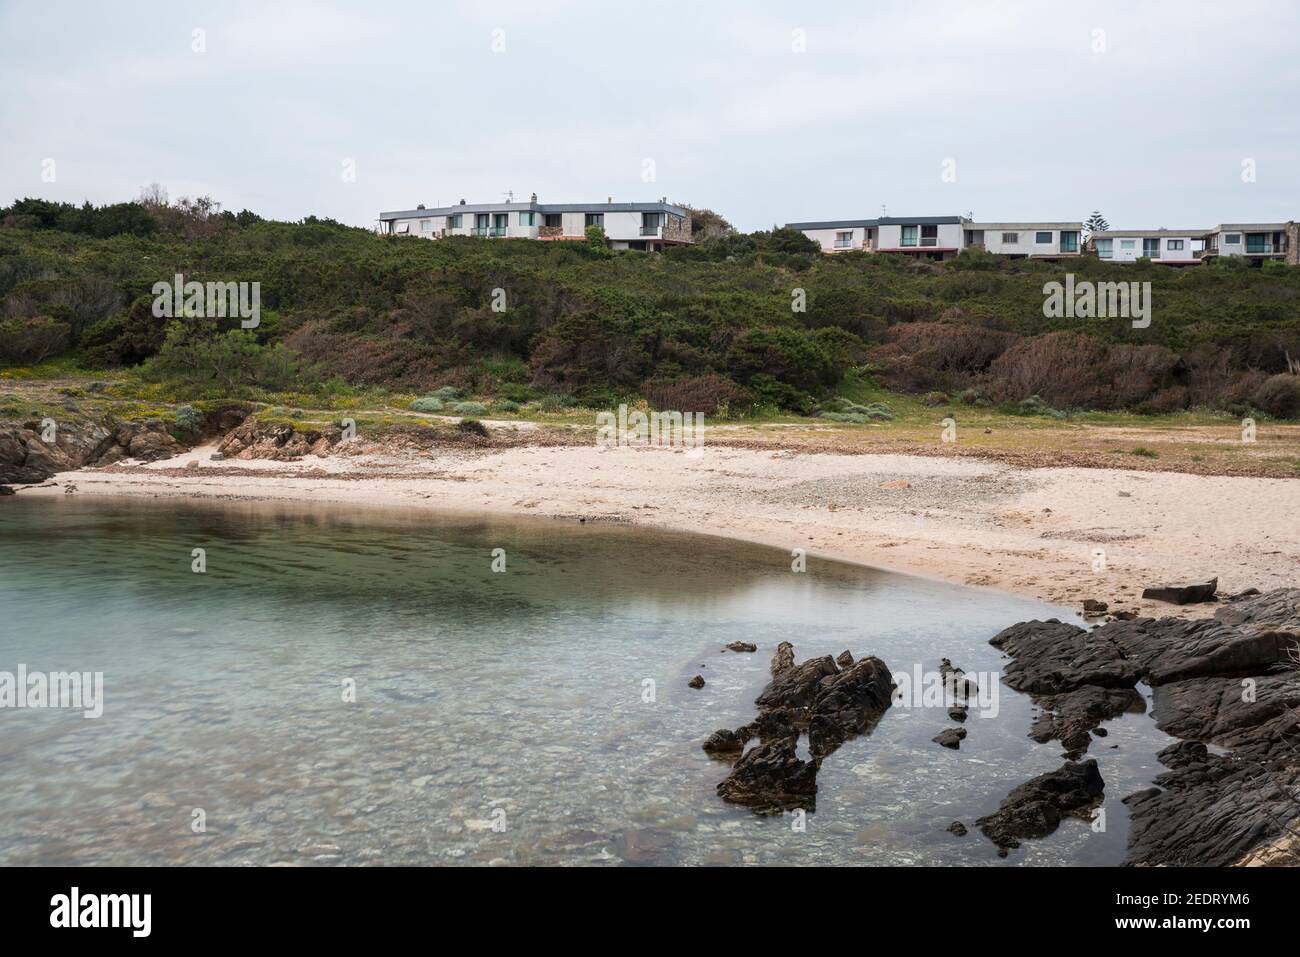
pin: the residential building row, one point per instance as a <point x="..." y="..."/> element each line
<point x="646" y="226"/>
<point x="944" y="237"/>
<point x="653" y="226"/>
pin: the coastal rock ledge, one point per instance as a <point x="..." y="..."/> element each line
<point x="1232" y="681"/>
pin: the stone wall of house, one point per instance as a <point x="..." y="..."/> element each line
<point x="1293" y="244"/>
<point x="678" y="230"/>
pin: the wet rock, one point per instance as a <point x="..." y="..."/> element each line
<point x="772" y="725"/>
<point x="1172" y="649"/>
<point x="741" y="646"/>
<point x="724" y="741"/>
<point x="950" y="737"/>
<point x="958" y="828"/>
<point x="797" y="686"/>
<point x="1092" y="606"/>
<point x="1052" y="657"/>
<point x="771" y="778"/>
<point x="849" y="704"/>
<point x="1069" y="717"/>
<point x="696" y="682"/>
<point x="1036" y="808"/>
<point x="845" y="659"/>
<point x="957" y="712"/>
<point x="783" y="660"/>
<point x="1183" y="594"/>
<point x="6" y="490"/>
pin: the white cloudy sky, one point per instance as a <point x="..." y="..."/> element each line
<point x="1152" y="130"/>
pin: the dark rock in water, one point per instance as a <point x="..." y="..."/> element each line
<point x="772" y="778"/>
<point x="725" y="741"/>
<point x="741" y="646"/>
<point x="958" y="828"/>
<point x="849" y="704"/>
<point x="1035" y="808"/>
<point x="957" y="712"/>
<point x="696" y="682"/>
<point x="844" y="659"/>
<point x="772" y="726"/>
<point x="1209" y="812"/>
<point x="1183" y="594"/>
<point x="1092" y="606"/>
<point x="1217" y="709"/>
<point x="797" y="687"/>
<point x="1069" y="717"/>
<point x="783" y="660"/>
<point x="1182" y="754"/>
<point x="950" y="737"/>
<point x="6" y="490"/>
<point x="1171" y="649"/>
<point x="1052" y="657"/>
<point x="1125" y="615"/>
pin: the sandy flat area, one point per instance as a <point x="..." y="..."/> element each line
<point x="1059" y="534"/>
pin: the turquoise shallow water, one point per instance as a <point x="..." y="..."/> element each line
<point x="498" y="717"/>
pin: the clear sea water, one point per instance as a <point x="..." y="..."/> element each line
<point x="498" y="717"/>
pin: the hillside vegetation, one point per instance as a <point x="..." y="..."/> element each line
<point x="712" y="327"/>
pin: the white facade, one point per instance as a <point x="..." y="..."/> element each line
<point x="1255" y="240"/>
<point x="1025" y="240"/>
<point x="842" y="237"/>
<point x="626" y="225"/>
<point x="1178" y="247"/>
<point x="936" y="236"/>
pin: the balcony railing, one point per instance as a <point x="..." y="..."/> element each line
<point x="497" y="231"/>
<point x="1264" y="249"/>
<point x="650" y="230"/>
<point x="480" y="231"/>
<point x="843" y="244"/>
<point x="929" y="240"/>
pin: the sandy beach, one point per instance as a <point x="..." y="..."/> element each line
<point x="1058" y="534"/>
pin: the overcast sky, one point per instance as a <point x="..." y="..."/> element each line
<point x="766" y="112"/>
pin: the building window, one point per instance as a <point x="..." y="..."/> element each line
<point x="1042" y="239"/>
<point x="1175" y="244"/>
<point x="426" y="225"/>
<point x="1104" y="248"/>
<point x="552" y="220"/>
<point x="1128" y="244"/>
<point x="594" y="219"/>
<point x="527" y="219"/>
<point x="929" y="235"/>
<point x="909" y="236"/>
<point x="403" y="227"/>
<point x="455" y="219"/>
<point x="1069" y="242"/>
<point x="1011" y="238"/>
<point x="844" y="240"/>
<point x="1232" y="239"/>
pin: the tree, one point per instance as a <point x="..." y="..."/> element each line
<point x="1095" y="223"/>
<point x="595" y="236"/>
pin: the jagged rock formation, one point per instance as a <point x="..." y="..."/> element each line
<point x="818" y="697"/>
<point x="1035" y="808"/>
<point x="1230" y="680"/>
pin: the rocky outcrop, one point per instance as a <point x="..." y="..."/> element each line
<point x="1230" y="680"/>
<point x="1036" y="808"/>
<point x="282" y="443"/>
<point x="772" y="778"/>
<point x="817" y="697"/>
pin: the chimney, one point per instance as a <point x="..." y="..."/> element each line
<point x="534" y="199"/>
<point x="420" y="206"/>
<point x="462" y="202"/>
<point x="609" y="200"/>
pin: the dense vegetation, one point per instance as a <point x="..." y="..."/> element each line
<point x="714" y="326"/>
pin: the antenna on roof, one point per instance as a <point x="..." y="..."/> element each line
<point x="509" y="195"/>
<point x="882" y="210"/>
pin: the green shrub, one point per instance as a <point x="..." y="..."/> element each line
<point x="557" y="402"/>
<point x="32" y="340"/>
<point x="505" y="405"/>
<point x="469" y="408"/>
<point x="1279" y="396"/>
<point x="430" y="403"/>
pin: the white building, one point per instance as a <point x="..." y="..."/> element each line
<point x="1256" y="241"/>
<point x="1025" y="240"/>
<point x="840" y="235"/>
<point x="932" y="237"/>
<point x="1173" y="247"/>
<point x="648" y="226"/>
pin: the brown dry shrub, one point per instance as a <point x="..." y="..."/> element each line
<point x="704" y="393"/>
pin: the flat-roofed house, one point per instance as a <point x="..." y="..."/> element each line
<point x="1024" y="240"/>
<point x="840" y="235"/>
<point x="1255" y="241"/>
<point x="931" y="237"/>
<point x="1173" y="247"/>
<point x="647" y="226"/>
